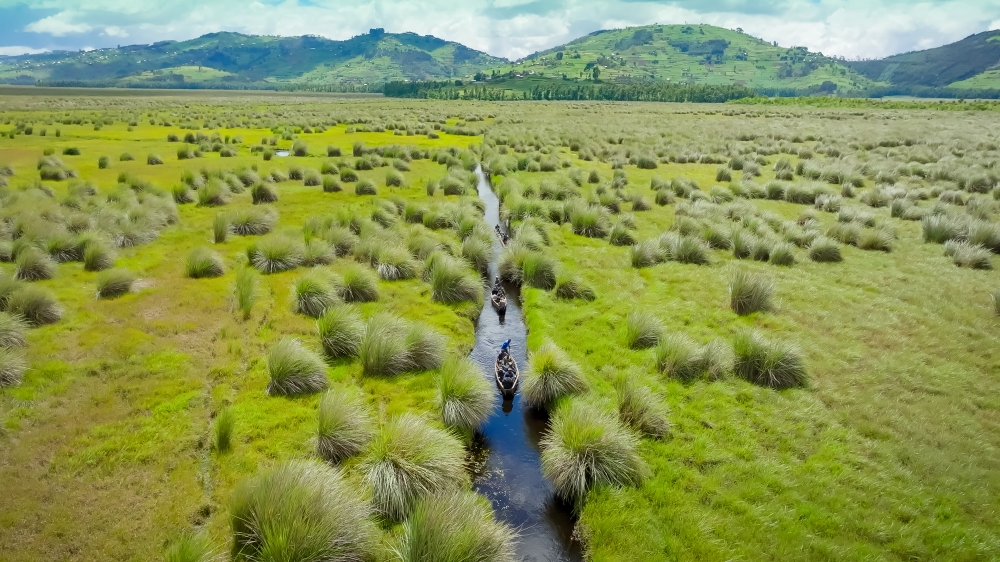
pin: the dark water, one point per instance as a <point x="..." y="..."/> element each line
<point x="509" y="470"/>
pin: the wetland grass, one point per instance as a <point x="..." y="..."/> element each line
<point x="455" y="526"/>
<point x="551" y="375"/>
<point x="345" y="426"/>
<point x="465" y="397"/>
<point x="295" y="369"/>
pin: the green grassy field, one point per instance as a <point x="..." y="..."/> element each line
<point x="888" y="451"/>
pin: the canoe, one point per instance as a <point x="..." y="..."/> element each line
<point x="507" y="386"/>
<point x="499" y="302"/>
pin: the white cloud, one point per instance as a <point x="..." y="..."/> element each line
<point x="59" y="25"/>
<point x="14" y="51"/>
<point x="115" y="31"/>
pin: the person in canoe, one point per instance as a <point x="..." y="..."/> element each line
<point x="506" y="368"/>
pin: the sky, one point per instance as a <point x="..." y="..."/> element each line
<point x="504" y="28"/>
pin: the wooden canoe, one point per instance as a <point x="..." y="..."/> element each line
<point x="507" y="386"/>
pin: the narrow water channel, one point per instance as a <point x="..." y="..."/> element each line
<point x="509" y="471"/>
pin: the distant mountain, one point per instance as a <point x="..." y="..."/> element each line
<point x="688" y="54"/>
<point x="973" y="62"/>
<point x="235" y="60"/>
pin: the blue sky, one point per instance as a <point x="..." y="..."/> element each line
<point x="506" y="28"/>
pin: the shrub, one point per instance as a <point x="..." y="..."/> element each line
<point x="749" y="292"/>
<point x="465" y="397"/>
<point x="12" y="331"/>
<point x="573" y="287"/>
<point x="358" y="285"/>
<point x="264" y="193"/>
<point x="824" y="249"/>
<point x="642" y="330"/>
<point x="202" y="262"/>
<point x="301" y="511"/>
<point x="276" y="253"/>
<point x="585" y="448"/>
<point x="154" y="160"/>
<point x="964" y="254"/>
<point x="409" y="460"/>
<point x="640" y="408"/>
<point x="253" y="221"/>
<point x="340" y="332"/>
<point x="34" y="265"/>
<point x="455" y="526"/>
<point x="36" y="305"/>
<point x="345" y="426"/>
<point x="12" y="367"/>
<point x="245" y="291"/>
<point x="295" y="369"/>
<point x="313" y="294"/>
<point x="453" y="283"/>
<point x="550" y="376"/>
<point x="113" y="283"/>
<point x="225" y="420"/>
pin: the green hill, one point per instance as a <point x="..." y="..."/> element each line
<point x="970" y="63"/>
<point x="235" y="60"/>
<point x="687" y="54"/>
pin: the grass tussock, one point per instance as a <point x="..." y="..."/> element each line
<point x="294" y="369"/>
<point x="768" y="363"/>
<point x="749" y="292"/>
<point x="302" y="511"/>
<point x="12" y="331"/>
<point x="12" y="366"/>
<point x="34" y="265"/>
<point x="640" y="408"/>
<point x="410" y="460"/>
<point x="642" y="330"/>
<point x="203" y="263"/>
<point x="824" y="249"/>
<point x="358" y="285"/>
<point x="390" y="346"/>
<point x="190" y="547"/>
<point x="340" y="332"/>
<point x="455" y="526"/>
<point x="465" y="397"/>
<point x="451" y="282"/>
<point x="223" y="428"/>
<point x="113" y="283"/>
<point x="345" y="426"/>
<point x="313" y="294"/>
<point x="35" y="305"/>
<point x="551" y="375"/>
<point x="276" y="253"/>
<point x="245" y="291"/>
<point x="585" y="448"/>
<point x="571" y="286"/>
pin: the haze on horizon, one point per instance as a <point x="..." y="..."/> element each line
<point x="504" y="28"/>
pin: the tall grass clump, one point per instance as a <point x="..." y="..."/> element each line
<point x="451" y="282"/>
<point x="190" y="547"/>
<point x="585" y="448"/>
<point x="571" y="286"/>
<point x="202" y="262"/>
<point x="358" y="285"/>
<point x="749" y="292"/>
<point x="345" y="426"/>
<point x="824" y="249"/>
<point x="425" y="348"/>
<point x="113" y="283"/>
<point x="313" y="294"/>
<point x="301" y="511"/>
<point x="939" y="229"/>
<point x="455" y="526"/>
<point x="478" y="253"/>
<point x="12" y="366"/>
<point x="383" y="350"/>
<point x="340" y="332"/>
<point x="12" y="331"/>
<point x="551" y="375"/>
<point x="465" y="397"/>
<point x="220" y="228"/>
<point x="34" y="265"/>
<point x="640" y="408"/>
<point x="295" y="369"/>
<point x="968" y="255"/>
<point x="252" y="221"/>
<point x="222" y="429"/>
<point x="679" y="357"/>
<point x="276" y="253"/>
<point x="245" y="291"/>
<point x="767" y="363"/>
<point x="539" y="270"/>
<point x="36" y="305"/>
<point x="645" y="254"/>
<point x="410" y="460"/>
<point x="394" y="264"/>
<point x="995" y="297"/>
<point x="642" y="330"/>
